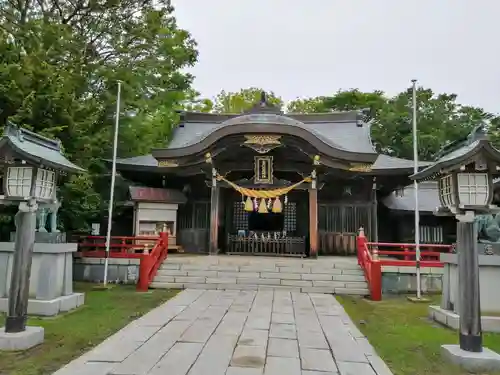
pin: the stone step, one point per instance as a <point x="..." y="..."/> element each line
<point x="332" y="276"/>
<point x="260" y="281"/>
<point x="360" y="291"/>
<point x="347" y="270"/>
<point x="351" y="277"/>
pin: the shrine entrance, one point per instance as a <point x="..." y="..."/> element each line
<point x="250" y="232"/>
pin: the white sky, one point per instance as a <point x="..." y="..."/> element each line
<point x="300" y="48"/>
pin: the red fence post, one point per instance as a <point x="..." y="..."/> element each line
<point x="405" y="250"/>
<point x="361" y="243"/>
<point x="144" y="267"/>
<point x="376" y="281"/>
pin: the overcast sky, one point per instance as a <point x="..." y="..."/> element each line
<point x="300" y="48"/>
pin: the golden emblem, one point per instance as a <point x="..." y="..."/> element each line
<point x="262" y="143"/>
<point x="360" y="168"/>
<point x="167" y="164"/>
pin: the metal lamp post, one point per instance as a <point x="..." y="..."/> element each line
<point x="26" y="184"/>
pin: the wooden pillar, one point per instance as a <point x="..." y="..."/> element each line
<point x="313" y="217"/>
<point x="213" y="245"/>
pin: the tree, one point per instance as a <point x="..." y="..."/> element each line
<point x="60" y="61"/>
<point x="243" y="100"/>
<point x="441" y="119"/>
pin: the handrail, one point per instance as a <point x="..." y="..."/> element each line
<point x="369" y="261"/>
<point x="371" y="267"/>
<point x="151" y="261"/>
<point x="119" y="247"/>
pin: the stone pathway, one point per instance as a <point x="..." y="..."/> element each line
<point x="212" y="332"/>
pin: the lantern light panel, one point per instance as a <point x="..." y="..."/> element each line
<point x="473" y="189"/>
<point x="18" y="182"/>
<point x="44" y="184"/>
<point x="447" y="191"/>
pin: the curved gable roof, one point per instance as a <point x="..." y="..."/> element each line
<point x="340" y="133"/>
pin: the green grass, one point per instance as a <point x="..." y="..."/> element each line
<point x="404" y="337"/>
<point x="68" y="336"/>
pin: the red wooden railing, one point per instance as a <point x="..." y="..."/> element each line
<point x="129" y="248"/>
<point x="371" y="267"/>
<point x="119" y="247"/>
<point x="369" y="259"/>
<point x="151" y="262"/>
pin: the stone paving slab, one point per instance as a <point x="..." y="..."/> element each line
<point x="234" y="332"/>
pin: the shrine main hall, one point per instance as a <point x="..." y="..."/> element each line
<point x="268" y="183"/>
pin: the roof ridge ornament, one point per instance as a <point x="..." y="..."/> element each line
<point x="264" y="107"/>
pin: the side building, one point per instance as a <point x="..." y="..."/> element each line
<point x="265" y="182"/>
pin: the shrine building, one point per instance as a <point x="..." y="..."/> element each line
<point x="266" y="182"/>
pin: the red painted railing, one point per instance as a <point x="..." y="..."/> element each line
<point x="150" y="262"/>
<point x="129" y="248"/>
<point x="371" y="267"/>
<point x="369" y="259"/>
<point x="119" y="247"/>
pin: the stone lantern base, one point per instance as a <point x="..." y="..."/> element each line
<point x="33" y="336"/>
<point x="487" y="360"/>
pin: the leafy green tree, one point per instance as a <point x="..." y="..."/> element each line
<point x="60" y="61"/>
<point x="243" y="100"/>
<point x="440" y="118"/>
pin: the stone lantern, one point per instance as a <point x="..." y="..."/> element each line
<point x="31" y="164"/>
<point x="465" y="180"/>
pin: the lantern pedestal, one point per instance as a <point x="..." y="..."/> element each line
<point x="487" y="360"/>
<point x="29" y="338"/>
<point x="15" y="324"/>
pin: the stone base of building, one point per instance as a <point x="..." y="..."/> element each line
<point x="44" y="237"/>
<point x="49" y="307"/>
<point x="30" y="338"/>
<point x="123" y="271"/>
<point x="487" y="360"/>
<point x="452" y="320"/>
<point x="403" y="280"/>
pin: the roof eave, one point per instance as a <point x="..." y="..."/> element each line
<point x="71" y="168"/>
<point x="436" y="168"/>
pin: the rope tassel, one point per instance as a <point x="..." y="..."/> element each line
<point x="249" y="204"/>
<point x="263" y="206"/>
<point x="277" y="207"/>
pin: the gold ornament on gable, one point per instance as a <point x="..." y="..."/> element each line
<point x="360" y="168"/>
<point x="168" y="164"/>
<point x="262" y="143"/>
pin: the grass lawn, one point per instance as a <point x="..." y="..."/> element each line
<point x="404" y="337"/>
<point x="68" y="336"/>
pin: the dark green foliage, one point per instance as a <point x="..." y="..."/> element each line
<point x="441" y="119"/>
<point x="60" y="62"/>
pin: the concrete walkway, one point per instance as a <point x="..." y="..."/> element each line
<point x="212" y="332"/>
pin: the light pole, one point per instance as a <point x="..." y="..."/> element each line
<point x="112" y="187"/>
<point x="415" y="190"/>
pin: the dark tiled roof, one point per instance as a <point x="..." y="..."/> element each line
<point x="144" y="160"/>
<point x="37" y="148"/>
<point x="390" y="162"/>
<point x="428" y="198"/>
<point x="345" y="134"/>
